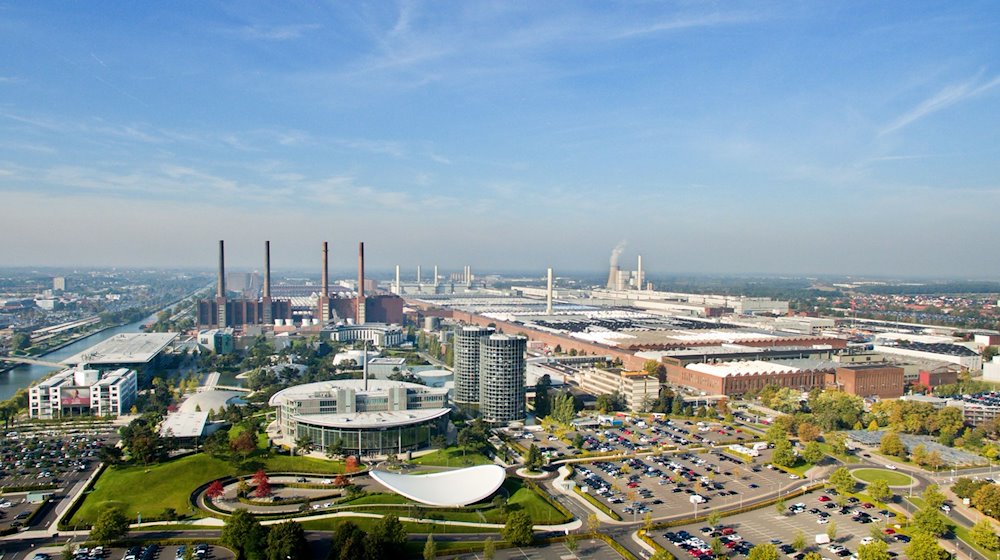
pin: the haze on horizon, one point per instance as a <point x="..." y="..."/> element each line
<point x="736" y="137"/>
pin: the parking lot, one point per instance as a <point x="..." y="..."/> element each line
<point x="628" y="434"/>
<point x="810" y="516"/>
<point x="34" y="458"/>
<point x="671" y="484"/>
<point x="151" y="552"/>
<point x="586" y="548"/>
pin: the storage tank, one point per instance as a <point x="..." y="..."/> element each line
<point x="278" y="322"/>
<point x="432" y="323"/>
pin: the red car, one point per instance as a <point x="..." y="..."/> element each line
<point x="889" y="531"/>
<point x="867" y="505"/>
<point x="824" y="498"/>
<point x="728" y="531"/>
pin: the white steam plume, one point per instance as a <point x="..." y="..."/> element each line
<point x="616" y="252"/>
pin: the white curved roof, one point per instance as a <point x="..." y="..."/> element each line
<point x="455" y="488"/>
<point x="378" y="419"/>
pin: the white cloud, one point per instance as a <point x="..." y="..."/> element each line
<point x="946" y="97"/>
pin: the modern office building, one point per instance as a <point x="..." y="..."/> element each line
<point x="468" y="341"/>
<point x="380" y="335"/>
<point x="501" y="379"/>
<point x="83" y="392"/>
<point x="367" y="417"/>
<point x="219" y="341"/>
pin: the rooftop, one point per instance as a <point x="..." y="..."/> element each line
<point x="124" y="348"/>
<point x="455" y="488"/>
<point x="320" y="388"/>
<point x="385" y="419"/>
<point x="184" y="424"/>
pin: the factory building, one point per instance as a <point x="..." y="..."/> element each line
<point x="83" y="392"/>
<point x="637" y="387"/>
<point x="875" y="380"/>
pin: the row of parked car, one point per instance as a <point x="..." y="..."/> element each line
<point x="698" y="548"/>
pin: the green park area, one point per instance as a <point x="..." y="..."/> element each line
<point x="892" y="478"/>
<point x="452" y="457"/>
<point x="154" y="489"/>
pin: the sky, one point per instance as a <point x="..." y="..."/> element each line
<point x="711" y="137"/>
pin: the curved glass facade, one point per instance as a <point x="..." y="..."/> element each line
<point x="374" y="441"/>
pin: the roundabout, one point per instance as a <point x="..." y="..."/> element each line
<point x="892" y="478"/>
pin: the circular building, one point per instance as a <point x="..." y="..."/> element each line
<point x="373" y="417"/>
<point x="457" y="488"/>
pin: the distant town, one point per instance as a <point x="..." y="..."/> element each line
<point x="440" y="412"/>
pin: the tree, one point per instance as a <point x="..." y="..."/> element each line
<point x="813" y="556"/>
<point x="838" y="443"/>
<point x="779" y="506"/>
<point x="919" y="455"/>
<point x="925" y="547"/>
<point x="892" y="445"/>
<point x="873" y="426"/>
<point x="808" y="432"/>
<point x="933" y="496"/>
<point x="387" y="539"/>
<point x="244" y="444"/>
<point x="20" y="341"/>
<point x="799" y="542"/>
<point x="263" y="488"/>
<point x="243" y="534"/>
<point x="287" y="541"/>
<point x="831" y="530"/>
<point x="489" y="549"/>
<point x="718" y="548"/>
<point x="842" y="480"/>
<point x="543" y="401"/>
<point x="813" y="453"/>
<point x="348" y="542"/>
<point x="430" y="549"/>
<point x="610" y="402"/>
<point x="593" y="523"/>
<point x="572" y="543"/>
<point x="965" y="487"/>
<point x="876" y="550"/>
<point x="987" y="500"/>
<point x="110" y="454"/>
<point x="783" y="455"/>
<point x="304" y="444"/>
<point x="563" y="408"/>
<point x="534" y="459"/>
<point x="215" y="490"/>
<point x="351" y="464"/>
<point x="714" y="519"/>
<point x="518" y="529"/>
<point x="928" y="520"/>
<point x="111" y="525"/>
<point x="765" y="551"/>
<point x="985" y="535"/>
<point x="879" y="490"/>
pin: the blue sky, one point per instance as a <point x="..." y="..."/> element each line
<point x="738" y="137"/>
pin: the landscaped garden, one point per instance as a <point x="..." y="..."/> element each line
<point x="892" y="478"/>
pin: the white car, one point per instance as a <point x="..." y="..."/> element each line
<point x="822" y="521"/>
<point x="793" y="476"/>
<point x="945" y="508"/>
<point x="891" y="467"/>
<point x="867" y="540"/>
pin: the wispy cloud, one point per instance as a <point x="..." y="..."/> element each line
<point x="11" y="80"/>
<point x="950" y="95"/>
<point x="273" y="32"/>
<point x="690" y="22"/>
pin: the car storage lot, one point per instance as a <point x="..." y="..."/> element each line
<point x="763" y="525"/>
<point x="37" y="457"/>
<point x="151" y="552"/>
<point x="664" y="485"/>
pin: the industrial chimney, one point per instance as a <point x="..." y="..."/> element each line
<point x="360" y="314"/>
<point x="324" y="297"/>
<point x="220" y="291"/>
<point x="267" y="312"/>
<point x="548" y="295"/>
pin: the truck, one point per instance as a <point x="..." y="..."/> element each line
<point x="822" y="538"/>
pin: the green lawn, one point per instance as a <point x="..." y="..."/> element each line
<point x="148" y="490"/>
<point x="848" y="459"/>
<point x="892" y="478"/>
<point x="963" y="534"/>
<point x="452" y="457"/>
<point x="524" y="498"/>
<point x="366" y="523"/>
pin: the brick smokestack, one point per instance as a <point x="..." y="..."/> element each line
<point x="220" y="291"/>
<point x="326" y="271"/>
<point x="267" y="269"/>
<point x="360" y="316"/>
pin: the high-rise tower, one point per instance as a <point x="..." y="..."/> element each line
<point x="501" y="379"/>
<point x="467" y="343"/>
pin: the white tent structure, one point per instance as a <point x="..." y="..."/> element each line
<point x="455" y="488"/>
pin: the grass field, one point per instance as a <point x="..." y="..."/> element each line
<point x="366" y="523"/>
<point x="150" y="490"/>
<point x="892" y="478"/>
<point x="451" y="457"/>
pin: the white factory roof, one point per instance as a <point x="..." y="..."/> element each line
<point x="754" y="367"/>
<point x="455" y="488"/>
<point x="184" y="424"/>
<point x="712" y="335"/>
<point x="124" y="348"/>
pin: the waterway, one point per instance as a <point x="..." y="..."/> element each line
<point x="26" y="374"/>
